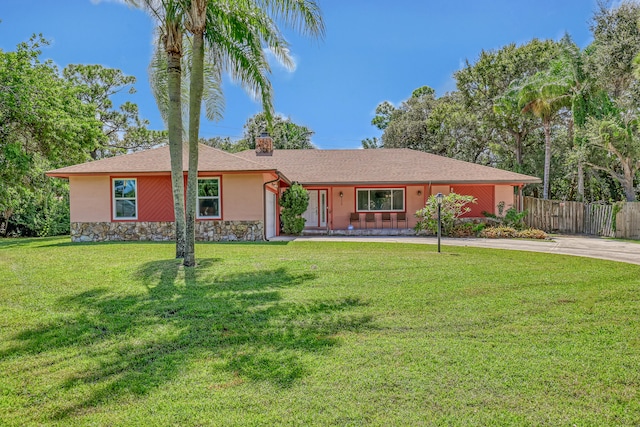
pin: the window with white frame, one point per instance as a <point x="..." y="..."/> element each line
<point x="125" y="198"/>
<point x="380" y="199"/>
<point x="209" y="198"/>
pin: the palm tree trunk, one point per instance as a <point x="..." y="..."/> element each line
<point x="518" y="151"/>
<point x="547" y="158"/>
<point x="174" y="71"/>
<point x="195" y="103"/>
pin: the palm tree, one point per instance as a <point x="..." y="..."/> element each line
<point x="169" y="15"/>
<point x="232" y="36"/>
<point x="235" y="33"/>
<point x="544" y="95"/>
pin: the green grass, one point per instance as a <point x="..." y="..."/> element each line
<point x="313" y="333"/>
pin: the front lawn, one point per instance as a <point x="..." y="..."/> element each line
<point x="315" y="333"/>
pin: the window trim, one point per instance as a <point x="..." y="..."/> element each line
<point x="114" y="199"/>
<point x="219" y="197"/>
<point x="392" y="189"/>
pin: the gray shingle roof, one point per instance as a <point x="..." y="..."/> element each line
<point x="158" y="160"/>
<point x="381" y="166"/>
<point x="314" y="167"/>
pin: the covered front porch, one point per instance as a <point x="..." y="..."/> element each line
<point x="389" y="210"/>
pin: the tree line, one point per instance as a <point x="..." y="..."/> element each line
<point x="50" y="119"/>
<point x="545" y="108"/>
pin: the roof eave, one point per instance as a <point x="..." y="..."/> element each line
<point x="55" y="174"/>
<point x="423" y="182"/>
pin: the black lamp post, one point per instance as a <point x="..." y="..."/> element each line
<point x="439" y="198"/>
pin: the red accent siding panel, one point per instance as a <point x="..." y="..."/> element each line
<point x="155" y="199"/>
<point x="484" y="194"/>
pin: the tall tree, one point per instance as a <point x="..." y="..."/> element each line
<point x="124" y="128"/>
<point x="372" y="143"/>
<point x="384" y="112"/>
<point x="196" y="22"/>
<point x="226" y="144"/>
<point x="619" y="136"/>
<point x="616" y="39"/>
<point x="614" y="130"/>
<point x="43" y="125"/>
<point x="169" y="16"/>
<point x="544" y="95"/>
<point x="484" y="87"/>
<point x="286" y="134"/>
<point x="407" y="125"/>
<point x="235" y="34"/>
<point x="225" y="29"/>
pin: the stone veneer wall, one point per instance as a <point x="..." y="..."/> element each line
<point x="213" y="231"/>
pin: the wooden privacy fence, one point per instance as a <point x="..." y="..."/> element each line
<point x="555" y="216"/>
<point x="598" y="220"/>
<point x="628" y="221"/>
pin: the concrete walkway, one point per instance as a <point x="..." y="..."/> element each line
<point x="592" y="247"/>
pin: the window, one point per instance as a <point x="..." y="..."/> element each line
<point x="125" y="203"/>
<point x="380" y="199"/>
<point x="209" y="198"/>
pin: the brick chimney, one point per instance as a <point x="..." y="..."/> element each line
<point x="264" y="145"/>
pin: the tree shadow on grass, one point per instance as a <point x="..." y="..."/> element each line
<point x="19" y="242"/>
<point x="136" y="242"/>
<point x="139" y="341"/>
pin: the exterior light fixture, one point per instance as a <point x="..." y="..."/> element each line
<point x="439" y="198"/>
<point x="419" y="192"/>
<point x="341" y="194"/>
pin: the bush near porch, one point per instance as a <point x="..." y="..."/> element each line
<point x="504" y="224"/>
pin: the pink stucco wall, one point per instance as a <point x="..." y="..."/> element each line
<point x="341" y="207"/>
<point x="504" y="193"/>
<point x="90" y="198"/>
<point x="242" y="198"/>
<point x="444" y="189"/>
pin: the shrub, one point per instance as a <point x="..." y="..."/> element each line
<point x="38" y="212"/>
<point x="511" y="218"/>
<point x="294" y="202"/>
<point x="466" y="229"/>
<point x="532" y="233"/>
<point x="477" y="228"/>
<point x="499" y="232"/>
<point x="453" y="207"/>
<point x="515" y="219"/>
<point x="502" y="232"/>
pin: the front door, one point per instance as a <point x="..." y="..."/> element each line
<point x="311" y="214"/>
<point x="316" y="213"/>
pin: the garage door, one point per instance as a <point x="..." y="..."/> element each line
<point x="484" y="194"/>
<point x="270" y="227"/>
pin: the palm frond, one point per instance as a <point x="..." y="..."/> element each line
<point x="304" y="16"/>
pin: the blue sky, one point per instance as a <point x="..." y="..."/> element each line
<point x="374" y="50"/>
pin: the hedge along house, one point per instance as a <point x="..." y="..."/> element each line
<point x="378" y="191"/>
<point x="129" y="197"/>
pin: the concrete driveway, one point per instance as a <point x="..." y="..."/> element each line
<point x="592" y="247"/>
